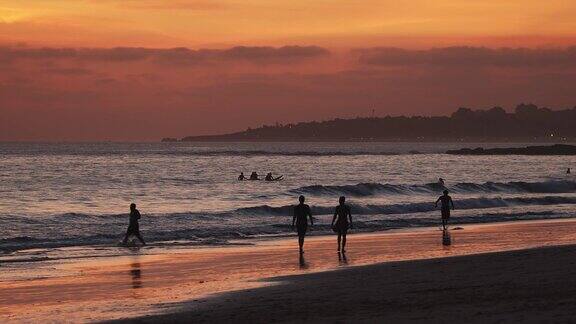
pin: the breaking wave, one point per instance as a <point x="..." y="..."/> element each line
<point x="369" y="189"/>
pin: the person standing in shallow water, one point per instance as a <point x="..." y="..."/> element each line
<point x="300" y="219"/>
<point x="133" y="226"/>
<point x="446" y="203"/>
<point x="341" y="222"/>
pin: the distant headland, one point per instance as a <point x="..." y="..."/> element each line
<point x="528" y="123"/>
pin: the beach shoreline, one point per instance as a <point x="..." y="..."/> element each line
<point x="137" y="285"/>
<point x="529" y="286"/>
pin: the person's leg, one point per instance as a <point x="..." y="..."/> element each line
<point x="339" y="240"/>
<point x="343" y="249"/>
<point x="301" y="235"/>
<point x="126" y="237"/>
<point x="140" y="238"/>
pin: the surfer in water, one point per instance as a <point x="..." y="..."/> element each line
<point x="254" y="176"/>
<point x="341" y="222"/>
<point x="446" y="203"/>
<point x="300" y="219"/>
<point x="269" y="177"/>
<point x="241" y="176"/>
<point x="133" y="226"/>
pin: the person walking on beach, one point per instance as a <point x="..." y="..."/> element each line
<point x="300" y="219"/>
<point x="446" y="203"/>
<point x="341" y="222"/>
<point x="133" y="226"/>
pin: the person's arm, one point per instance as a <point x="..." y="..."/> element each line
<point x="436" y="203"/>
<point x="138" y="216"/>
<point x="310" y="215"/>
<point x="334" y="218"/>
<point x="293" y="217"/>
<point x="452" y="203"/>
<point x="350" y="216"/>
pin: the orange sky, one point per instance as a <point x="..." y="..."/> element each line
<point x="62" y="76"/>
<point x="193" y="23"/>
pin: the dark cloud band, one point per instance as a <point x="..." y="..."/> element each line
<point x="470" y="56"/>
<point x="180" y="55"/>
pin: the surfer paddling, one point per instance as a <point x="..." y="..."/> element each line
<point x="269" y="177"/>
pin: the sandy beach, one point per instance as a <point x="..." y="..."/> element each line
<point x="403" y="275"/>
<point x="535" y="285"/>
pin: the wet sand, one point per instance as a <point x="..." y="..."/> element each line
<point x="270" y="282"/>
<point x="527" y="286"/>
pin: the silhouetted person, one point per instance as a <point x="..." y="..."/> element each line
<point x="241" y="176"/>
<point x="254" y="176"/>
<point x="568" y="171"/>
<point x="341" y="222"/>
<point x="446" y="203"/>
<point x="441" y="181"/>
<point x="133" y="226"/>
<point x="269" y="177"/>
<point x="300" y="219"/>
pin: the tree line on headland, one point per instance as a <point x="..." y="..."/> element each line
<point x="528" y="122"/>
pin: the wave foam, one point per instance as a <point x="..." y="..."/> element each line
<point x="369" y="189"/>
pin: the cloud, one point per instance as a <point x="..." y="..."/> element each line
<point x="181" y="55"/>
<point x="192" y="5"/>
<point x="47" y="93"/>
<point x="72" y="71"/>
<point x="469" y="56"/>
<point x="285" y="54"/>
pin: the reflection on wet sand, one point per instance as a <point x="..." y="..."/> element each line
<point x="446" y="238"/>
<point x="342" y="259"/>
<point x="136" y="273"/>
<point x="95" y="293"/>
<point x="302" y="262"/>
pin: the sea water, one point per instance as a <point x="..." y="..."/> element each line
<point x="55" y="196"/>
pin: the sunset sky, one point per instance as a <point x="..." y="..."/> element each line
<point x="89" y="70"/>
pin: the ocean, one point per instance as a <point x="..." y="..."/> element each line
<point x="76" y="197"/>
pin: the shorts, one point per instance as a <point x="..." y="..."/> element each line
<point x="133" y="229"/>
<point x="341" y="227"/>
<point x="445" y="213"/>
<point x="301" y="230"/>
